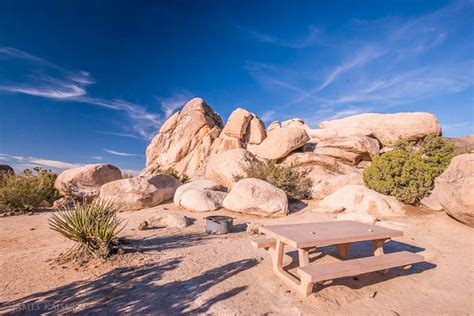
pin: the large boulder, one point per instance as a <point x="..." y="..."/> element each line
<point x="184" y="141"/>
<point x="6" y="169"/>
<point x="387" y="128"/>
<point x="237" y="123"/>
<point x="331" y="184"/>
<point x="281" y="141"/>
<point x="85" y="182"/>
<point x="242" y="129"/>
<point x="359" y="199"/>
<point x="139" y="192"/>
<point x="350" y="149"/>
<point x="257" y="197"/>
<point x="225" y="166"/>
<point x="202" y="200"/>
<point x="453" y="190"/>
<point x="200" y="196"/>
<point x="309" y="160"/>
<point x="255" y="133"/>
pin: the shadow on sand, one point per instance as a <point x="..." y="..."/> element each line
<point x="131" y="291"/>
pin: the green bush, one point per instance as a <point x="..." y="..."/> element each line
<point x="27" y="191"/>
<point x="295" y="184"/>
<point x="94" y="227"/>
<point x="408" y="172"/>
<point x="170" y="171"/>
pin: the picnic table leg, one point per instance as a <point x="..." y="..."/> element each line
<point x="378" y="250"/>
<point x="277" y="253"/>
<point x="277" y="256"/>
<point x="303" y="257"/>
<point x="378" y="247"/>
<point x="343" y="250"/>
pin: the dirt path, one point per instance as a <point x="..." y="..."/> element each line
<point x="182" y="271"/>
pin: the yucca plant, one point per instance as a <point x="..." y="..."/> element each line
<point x="94" y="227"/>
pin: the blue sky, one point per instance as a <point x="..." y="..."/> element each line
<point x="91" y="81"/>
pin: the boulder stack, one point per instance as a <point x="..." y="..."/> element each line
<point x="184" y="141"/>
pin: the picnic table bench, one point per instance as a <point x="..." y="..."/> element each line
<point x="307" y="236"/>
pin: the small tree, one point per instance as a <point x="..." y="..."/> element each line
<point x="408" y="172"/>
<point x="26" y="192"/>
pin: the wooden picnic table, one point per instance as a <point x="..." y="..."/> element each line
<point x="307" y="236"/>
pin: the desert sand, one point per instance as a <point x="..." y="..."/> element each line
<point x="170" y="271"/>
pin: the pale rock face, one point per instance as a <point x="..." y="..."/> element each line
<point x="387" y="128"/>
<point x="237" y="123"/>
<point x="85" y="182"/>
<point x="339" y="154"/>
<point x="365" y="147"/>
<point x="201" y="184"/>
<point x="275" y="125"/>
<point x="139" y="192"/>
<point x="280" y="142"/>
<point x="223" y="143"/>
<point x="184" y="140"/>
<point x="242" y="129"/>
<point x="454" y="190"/>
<point x="225" y="166"/>
<point x="310" y="160"/>
<point x="200" y="196"/>
<point x="294" y="122"/>
<point x="202" y="200"/>
<point x="172" y="220"/>
<point x="255" y="133"/>
<point x="332" y="183"/>
<point x="359" y="199"/>
<point x="257" y="197"/>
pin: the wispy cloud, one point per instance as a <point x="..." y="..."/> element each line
<point x="118" y="153"/>
<point x="28" y="162"/>
<point x="384" y="63"/>
<point x="127" y="135"/>
<point x="268" y="116"/>
<point x="362" y="57"/>
<point x="48" y="80"/>
<point x="311" y="38"/>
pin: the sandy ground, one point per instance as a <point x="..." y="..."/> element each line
<point x="184" y="271"/>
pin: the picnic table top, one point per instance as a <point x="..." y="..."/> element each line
<point x="327" y="233"/>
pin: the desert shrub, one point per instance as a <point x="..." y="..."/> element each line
<point x="295" y="184"/>
<point x="94" y="227"/>
<point x="170" y="171"/>
<point x="408" y="172"/>
<point x="28" y="190"/>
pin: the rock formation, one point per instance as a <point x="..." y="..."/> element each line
<point x="387" y="128"/>
<point x="85" y="182"/>
<point x="454" y="190"/>
<point x="139" y="192"/>
<point x="200" y="196"/>
<point x="184" y="141"/>
<point x="257" y="197"/>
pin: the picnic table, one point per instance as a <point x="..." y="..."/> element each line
<point x="307" y="236"/>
